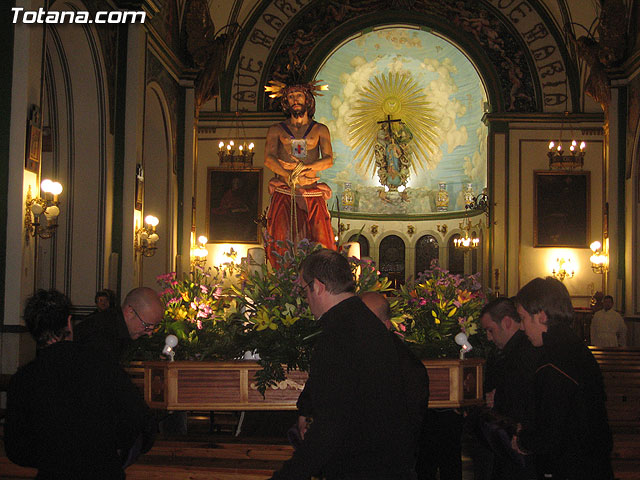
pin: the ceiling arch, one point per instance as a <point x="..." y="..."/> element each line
<point x="515" y="46"/>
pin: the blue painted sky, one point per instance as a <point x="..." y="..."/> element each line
<point x="450" y="83"/>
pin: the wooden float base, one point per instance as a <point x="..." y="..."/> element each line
<point x="227" y="386"/>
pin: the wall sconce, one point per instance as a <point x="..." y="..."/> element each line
<point x="146" y="237"/>
<point x="563" y="269"/>
<point x="599" y="259"/>
<point x="47" y="205"/>
<point x="199" y="253"/>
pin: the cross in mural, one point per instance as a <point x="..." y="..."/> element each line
<point x="388" y="121"/>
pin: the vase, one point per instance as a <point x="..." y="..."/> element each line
<point x="348" y="198"/>
<point x="442" y="198"/>
<point x="468" y="196"/>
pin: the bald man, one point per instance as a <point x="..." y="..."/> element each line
<point x="416" y="379"/>
<point x="112" y="331"/>
<point x="378" y="304"/>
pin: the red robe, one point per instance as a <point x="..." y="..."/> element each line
<point x="313" y="219"/>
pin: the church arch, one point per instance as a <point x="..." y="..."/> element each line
<point x="75" y="103"/>
<point x="160" y="182"/>
<point x="522" y="46"/>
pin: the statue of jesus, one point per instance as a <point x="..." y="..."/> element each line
<point x="295" y="151"/>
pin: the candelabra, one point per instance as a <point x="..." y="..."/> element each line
<point x="146" y="237"/>
<point x="46" y="205"/>
<point x="560" y="161"/>
<point x="229" y="157"/>
<point x="467" y="242"/>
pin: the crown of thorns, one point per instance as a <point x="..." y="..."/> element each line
<point x="276" y="89"/>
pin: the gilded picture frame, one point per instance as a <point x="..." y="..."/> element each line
<point x="234" y="202"/>
<point x="561" y="209"/>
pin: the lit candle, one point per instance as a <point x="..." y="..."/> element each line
<point x="240" y="148"/>
<point x="582" y="145"/>
<point x="220" y="145"/>
<point x="250" y="146"/>
<point x="551" y="145"/>
<point x="229" y="147"/>
<point x="231" y="143"/>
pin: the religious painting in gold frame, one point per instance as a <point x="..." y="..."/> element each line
<point x="234" y="202"/>
<point x="561" y="209"/>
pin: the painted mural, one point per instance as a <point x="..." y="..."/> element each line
<point x="404" y="109"/>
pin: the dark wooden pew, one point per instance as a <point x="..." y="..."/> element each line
<point x="621" y="373"/>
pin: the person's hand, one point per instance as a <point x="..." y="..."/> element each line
<point x="304" y="180"/>
<point x="302" y="426"/>
<point x="288" y="165"/>
<point x="489" y="396"/>
<point x="514" y="445"/>
<point x="298" y="173"/>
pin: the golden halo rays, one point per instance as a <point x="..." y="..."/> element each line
<point x="399" y="96"/>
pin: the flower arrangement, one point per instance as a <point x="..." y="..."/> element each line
<point x="436" y="307"/>
<point x="265" y="312"/>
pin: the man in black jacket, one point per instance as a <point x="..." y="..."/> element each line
<point x="111" y="331"/>
<point x="570" y="437"/>
<point x="361" y="420"/>
<point x="509" y="384"/>
<point x="72" y="413"/>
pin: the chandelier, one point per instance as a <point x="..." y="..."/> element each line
<point x="240" y="158"/>
<point x="236" y="153"/>
<point x="468" y="242"/>
<point x="559" y="159"/>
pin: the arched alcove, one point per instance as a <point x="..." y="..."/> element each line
<point x="159" y="194"/>
<point x="76" y="103"/>
<point x="427" y="250"/>
<point x="364" y="244"/>
<point x="392" y="255"/>
<point x="456" y="256"/>
<point x="405" y="116"/>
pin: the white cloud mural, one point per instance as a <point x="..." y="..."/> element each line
<point x="455" y="96"/>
